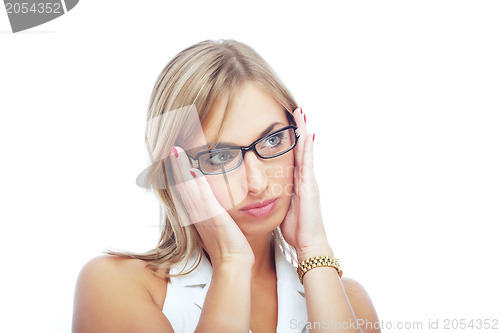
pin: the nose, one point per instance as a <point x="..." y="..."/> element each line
<point x="257" y="179"/>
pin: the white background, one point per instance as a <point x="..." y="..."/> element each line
<point x="404" y="98"/>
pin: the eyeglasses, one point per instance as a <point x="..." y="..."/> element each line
<point x="222" y="160"/>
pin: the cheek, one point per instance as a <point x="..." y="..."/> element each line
<point x="282" y="177"/>
<point x="289" y="167"/>
<point x="227" y="193"/>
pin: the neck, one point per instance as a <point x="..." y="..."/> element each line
<point x="263" y="250"/>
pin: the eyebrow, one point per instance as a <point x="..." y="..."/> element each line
<point x="214" y="145"/>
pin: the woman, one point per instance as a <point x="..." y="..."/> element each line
<point x="239" y="193"/>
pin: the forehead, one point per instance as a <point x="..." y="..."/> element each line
<point x="252" y="114"/>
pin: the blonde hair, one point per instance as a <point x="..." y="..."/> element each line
<point x="200" y="75"/>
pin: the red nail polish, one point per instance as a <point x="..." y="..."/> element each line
<point x="304" y="118"/>
<point x="193" y="174"/>
<point x="175" y="152"/>
<point x="300" y="110"/>
<point x="314" y="136"/>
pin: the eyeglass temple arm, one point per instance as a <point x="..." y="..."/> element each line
<point x="194" y="162"/>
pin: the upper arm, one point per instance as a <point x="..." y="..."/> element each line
<point x="361" y="305"/>
<point x="108" y="298"/>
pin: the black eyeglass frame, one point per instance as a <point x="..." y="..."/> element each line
<point x="195" y="159"/>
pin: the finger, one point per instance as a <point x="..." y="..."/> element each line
<point x="308" y="167"/>
<point x="206" y="194"/>
<point x="198" y="197"/>
<point x="183" y="163"/>
<point x="184" y="176"/>
<point x="176" y="172"/>
<point x="301" y="128"/>
<point x="183" y="185"/>
<point x="300" y="120"/>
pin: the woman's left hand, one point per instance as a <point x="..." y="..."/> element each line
<point x="303" y="225"/>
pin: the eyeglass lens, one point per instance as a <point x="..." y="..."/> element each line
<point x="221" y="160"/>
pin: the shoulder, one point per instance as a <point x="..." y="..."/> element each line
<point x="126" y="273"/>
<point x="118" y="294"/>
<point x="353" y="287"/>
<point x="361" y="303"/>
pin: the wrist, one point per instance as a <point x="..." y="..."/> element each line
<point x="322" y="249"/>
<point x="230" y="266"/>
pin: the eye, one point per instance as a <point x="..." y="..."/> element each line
<point x="220" y="158"/>
<point x="274" y="140"/>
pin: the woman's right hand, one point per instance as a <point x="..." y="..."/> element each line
<point x="222" y="238"/>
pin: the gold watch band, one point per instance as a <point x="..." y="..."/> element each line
<point x="318" y="261"/>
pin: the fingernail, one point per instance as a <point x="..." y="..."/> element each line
<point x="193" y="174"/>
<point x="314" y="136"/>
<point x="304" y="118"/>
<point x="300" y="110"/>
<point x="175" y="152"/>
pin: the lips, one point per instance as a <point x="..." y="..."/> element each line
<point x="259" y="204"/>
<point x="260" y="209"/>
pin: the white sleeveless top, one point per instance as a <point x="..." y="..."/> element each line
<point x="186" y="295"/>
